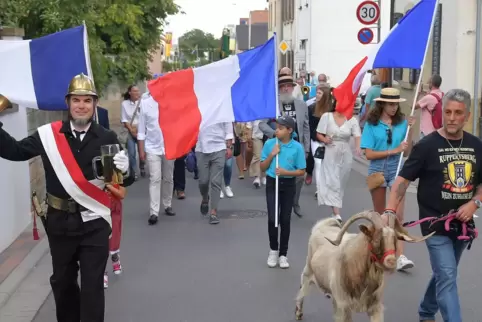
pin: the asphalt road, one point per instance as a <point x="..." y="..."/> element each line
<point x="185" y="270"/>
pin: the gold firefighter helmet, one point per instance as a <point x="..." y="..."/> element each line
<point x="4" y="103"/>
<point x="82" y="85"/>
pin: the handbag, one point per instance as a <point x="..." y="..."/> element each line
<point x="191" y="162"/>
<point x="375" y="180"/>
<point x="320" y="153"/>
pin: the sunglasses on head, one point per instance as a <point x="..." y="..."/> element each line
<point x="389" y="136"/>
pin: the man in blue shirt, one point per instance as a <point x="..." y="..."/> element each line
<point x="291" y="164"/>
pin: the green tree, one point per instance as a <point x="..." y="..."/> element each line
<point x="205" y="43"/>
<point x="123" y="34"/>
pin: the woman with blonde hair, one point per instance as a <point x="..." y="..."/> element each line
<point x="315" y="111"/>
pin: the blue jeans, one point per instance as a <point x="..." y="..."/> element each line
<point x="441" y="291"/>
<point x="228" y="171"/>
<point x="132" y="153"/>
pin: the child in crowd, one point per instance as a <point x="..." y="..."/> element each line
<point x="117" y="193"/>
<point x="291" y="164"/>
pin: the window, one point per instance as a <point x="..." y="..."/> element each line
<point x="287" y="10"/>
<point x="303" y="44"/>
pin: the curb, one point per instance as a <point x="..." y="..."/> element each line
<point x="13" y="281"/>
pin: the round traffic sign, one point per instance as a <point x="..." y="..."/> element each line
<point x="365" y="36"/>
<point x="368" y="12"/>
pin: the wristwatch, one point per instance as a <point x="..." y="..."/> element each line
<point x="478" y="203"/>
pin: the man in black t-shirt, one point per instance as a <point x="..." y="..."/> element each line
<point x="448" y="165"/>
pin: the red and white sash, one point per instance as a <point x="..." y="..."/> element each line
<point x="69" y="173"/>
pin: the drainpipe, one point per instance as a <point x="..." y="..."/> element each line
<point x="478" y="24"/>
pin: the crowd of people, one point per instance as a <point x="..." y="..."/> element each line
<point x="84" y="217"/>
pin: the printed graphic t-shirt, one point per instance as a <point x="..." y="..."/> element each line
<point x="448" y="176"/>
<point x="289" y="110"/>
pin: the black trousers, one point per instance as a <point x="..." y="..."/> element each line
<point x="76" y="244"/>
<point x="179" y="175"/>
<point x="310" y="163"/>
<point x="286" y="193"/>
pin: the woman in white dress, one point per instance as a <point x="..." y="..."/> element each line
<point x="335" y="131"/>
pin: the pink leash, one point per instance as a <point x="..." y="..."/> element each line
<point x="448" y="219"/>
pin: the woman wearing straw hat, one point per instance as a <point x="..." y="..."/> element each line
<point x="383" y="141"/>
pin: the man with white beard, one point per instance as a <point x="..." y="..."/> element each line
<point x="297" y="109"/>
<point x="78" y="219"/>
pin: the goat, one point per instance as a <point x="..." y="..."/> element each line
<point x="350" y="268"/>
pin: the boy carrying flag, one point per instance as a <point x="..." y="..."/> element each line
<point x="291" y="164"/>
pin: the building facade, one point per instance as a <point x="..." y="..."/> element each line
<point x="452" y="54"/>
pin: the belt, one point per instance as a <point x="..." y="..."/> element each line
<point x="68" y="205"/>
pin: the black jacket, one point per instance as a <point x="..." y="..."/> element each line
<point x="31" y="146"/>
<point x="313" y="122"/>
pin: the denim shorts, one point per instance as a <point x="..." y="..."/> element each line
<point x="388" y="167"/>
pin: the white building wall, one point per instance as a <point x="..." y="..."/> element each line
<point x="14" y="184"/>
<point x="303" y="31"/>
<point x="275" y="24"/>
<point x="334" y="48"/>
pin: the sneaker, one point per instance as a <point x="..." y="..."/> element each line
<point x="263" y="181"/>
<point x="337" y="217"/>
<point x="152" y="220"/>
<point x="221" y="194"/>
<point x="204" y="207"/>
<point x="213" y="220"/>
<point x="117" y="268"/>
<point x="273" y="258"/>
<point x="404" y="263"/>
<point x="106" y="280"/>
<point x="283" y="262"/>
<point x="256" y="183"/>
<point x="229" y="192"/>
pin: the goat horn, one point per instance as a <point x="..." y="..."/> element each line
<point x="401" y="231"/>
<point x="373" y="217"/>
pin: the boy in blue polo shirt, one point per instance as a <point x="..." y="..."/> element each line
<point x="291" y="164"/>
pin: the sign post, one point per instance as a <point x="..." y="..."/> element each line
<point x="283" y="47"/>
<point x="365" y="36"/>
<point x="368" y="12"/>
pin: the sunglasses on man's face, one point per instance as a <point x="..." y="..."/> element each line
<point x="389" y="136"/>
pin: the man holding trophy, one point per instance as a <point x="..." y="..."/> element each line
<point x="78" y="219"/>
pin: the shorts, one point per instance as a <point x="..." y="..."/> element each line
<point x="388" y="167"/>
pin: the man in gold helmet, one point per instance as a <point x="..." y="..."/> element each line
<point x="78" y="218"/>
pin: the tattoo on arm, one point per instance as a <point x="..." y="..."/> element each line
<point x="401" y="190"/>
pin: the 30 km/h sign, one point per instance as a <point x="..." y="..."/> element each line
<point x="283" y="47"/>
<point x="368" y="12"/>
<point x="365" y="36"/>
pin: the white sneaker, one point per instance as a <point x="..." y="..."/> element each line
<point x="263" y="181"/>
<point x="337" y="217"/>
<point x="256" y="183"/>
<point x="283" y="262"/>
<point x="273" y="258"/>
<point x="221" y="195"/>
<point x="106" y="281"/>
<point x="229" y="192"/>
<point x="404" y="263"/>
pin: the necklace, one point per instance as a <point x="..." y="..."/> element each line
<point x="458" y="149"/>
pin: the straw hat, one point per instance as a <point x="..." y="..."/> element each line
<point x="286" y="79"/>
<point x="391" y="95"/>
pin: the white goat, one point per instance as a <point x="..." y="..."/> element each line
<point x="349" y="268"/>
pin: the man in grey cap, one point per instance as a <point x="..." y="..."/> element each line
<point x="297" y="109"/>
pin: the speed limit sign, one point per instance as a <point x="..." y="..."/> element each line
<point x="368" y="12"/>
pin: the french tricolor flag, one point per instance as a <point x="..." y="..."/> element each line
<point x="404" y="47"/>
<point x="239" y="88"/>
<point x="36" y="73"/>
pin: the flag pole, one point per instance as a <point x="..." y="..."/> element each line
<point x="87" y="62"/>
<point x="276" y="195"/>
<point x="419" y="82"/>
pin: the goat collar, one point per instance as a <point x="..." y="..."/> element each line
<point x="374" y="256"/>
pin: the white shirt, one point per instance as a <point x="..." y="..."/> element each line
<point x="297" y="92"/>
<point x="256" y="132"/>
<point x="127" y="111"/>
<point x="89" y="215"/>
<point x="213" y="138"/>
<point x="148" y="129"/>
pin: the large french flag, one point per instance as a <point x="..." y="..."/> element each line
<point x="36" y="73"/>
<point x="404" y="47"/>
<point x="239" y="88"/>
